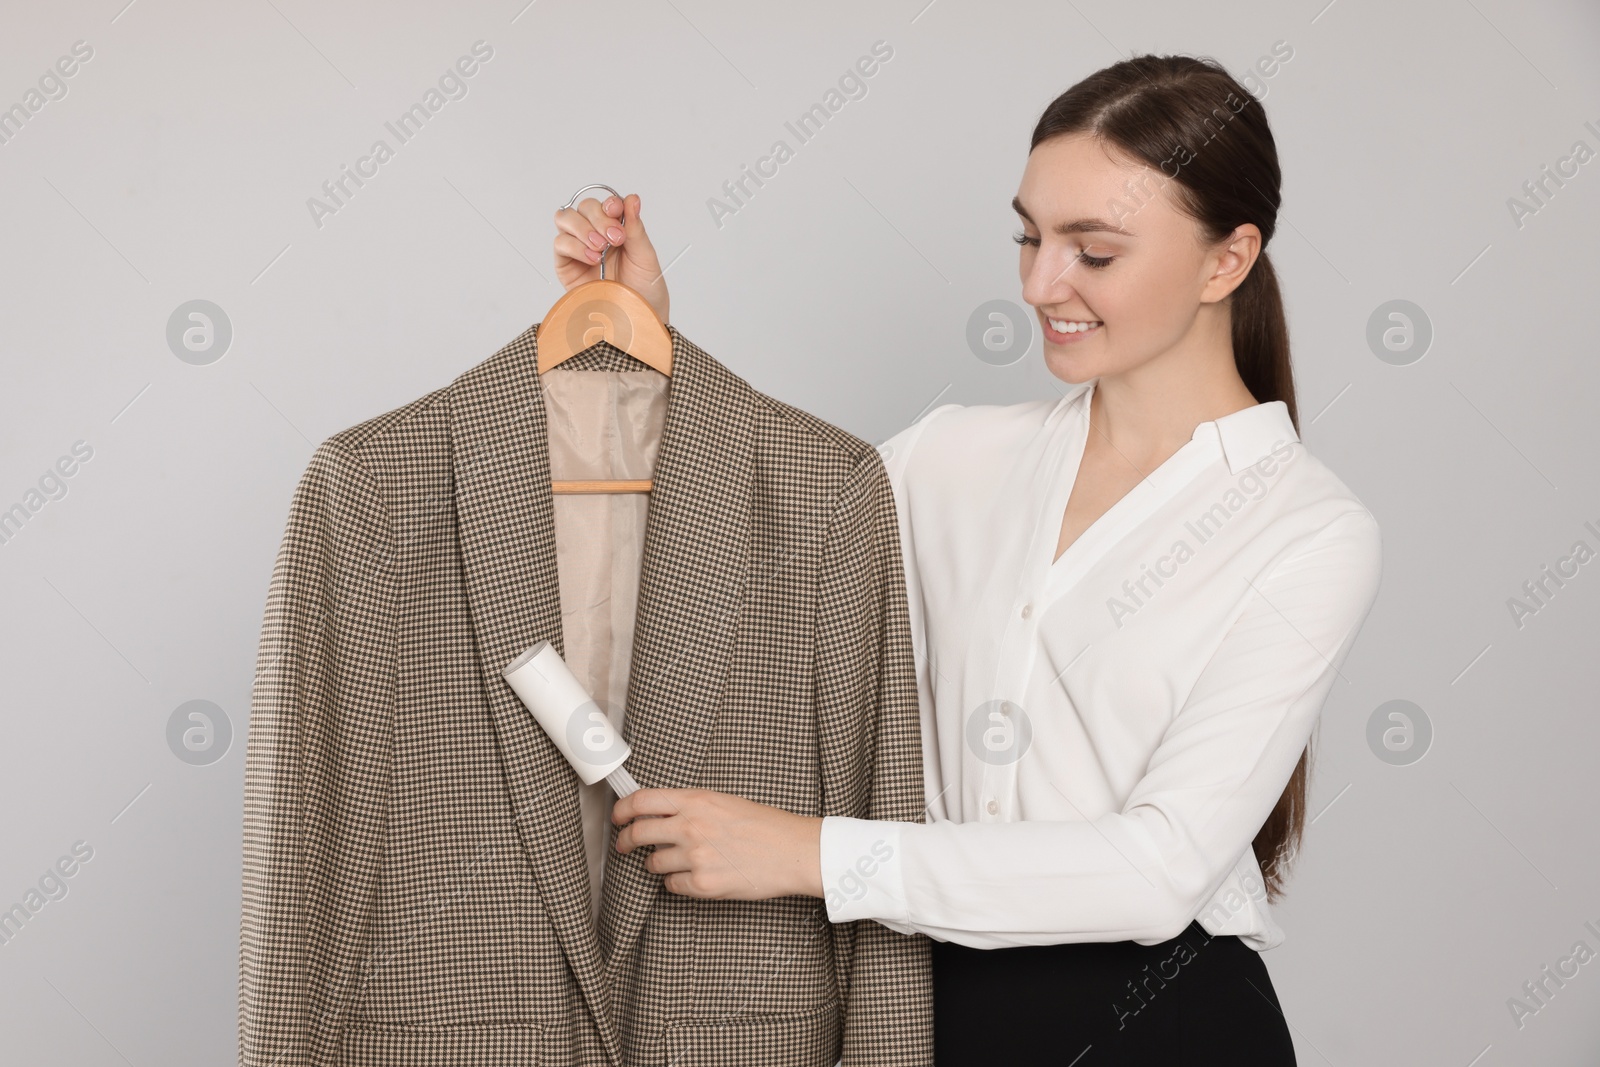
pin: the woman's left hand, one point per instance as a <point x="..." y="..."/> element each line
<point x="720" y="847"/>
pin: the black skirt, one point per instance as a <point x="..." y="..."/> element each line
<point x="1193" y="1000"/>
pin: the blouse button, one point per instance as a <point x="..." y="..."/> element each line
<point x="994" y="807"/>
<point x="1027" y="609"/>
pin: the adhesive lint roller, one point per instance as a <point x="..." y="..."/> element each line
<point x="571" y="717"/>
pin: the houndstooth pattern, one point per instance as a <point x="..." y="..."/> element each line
<point x="415" y="886"/>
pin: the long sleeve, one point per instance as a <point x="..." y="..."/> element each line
<point x="1143" y="872"/>
<point x="866" y="700"/>
<point x="318" y="727"/>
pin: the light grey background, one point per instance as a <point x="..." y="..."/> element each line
<point x="178" y="167"/>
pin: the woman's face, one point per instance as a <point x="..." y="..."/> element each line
<point x="1103" y="243"/>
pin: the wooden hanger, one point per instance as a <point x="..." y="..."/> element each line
<point x="623" y="318"/>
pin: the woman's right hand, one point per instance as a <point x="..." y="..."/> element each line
<point x="584" y="229"/>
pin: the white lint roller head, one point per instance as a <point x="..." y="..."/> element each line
<point x="571" y="717"/>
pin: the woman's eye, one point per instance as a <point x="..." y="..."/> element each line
<point x="1096" y="262"/>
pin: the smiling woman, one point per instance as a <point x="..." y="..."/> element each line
<point x="1112" y="798"/>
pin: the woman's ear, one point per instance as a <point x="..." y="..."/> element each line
<point x="1231" y="261"/>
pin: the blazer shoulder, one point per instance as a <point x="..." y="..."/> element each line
<point x="404" y="427"/>
<point x="844" y="445"/>
<point x="781" y="425"/>
<point x="423" y="423"/>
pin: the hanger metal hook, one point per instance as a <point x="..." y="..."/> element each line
<point x="574" y="200"/>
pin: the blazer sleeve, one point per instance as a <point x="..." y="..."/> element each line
<point x="871" y="758"/>
<point x="315" y="766"/>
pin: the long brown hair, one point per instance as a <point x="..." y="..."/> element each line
<point x="1189" y="118"/>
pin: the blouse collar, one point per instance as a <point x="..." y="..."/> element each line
<point x="1248" y="435"/>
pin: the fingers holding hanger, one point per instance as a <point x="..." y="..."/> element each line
<point x="638" y="266"/>
<point x="604" y="218"/>
<point x="576" y="261"/>
<point x="582" y="233"/>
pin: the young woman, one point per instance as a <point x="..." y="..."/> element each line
<point x="1129" y="604"/>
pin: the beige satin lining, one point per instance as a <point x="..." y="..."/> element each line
<point x="603" y="424"/>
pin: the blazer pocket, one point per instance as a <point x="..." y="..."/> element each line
<point x="482" y="1045"/>
<point x="791" y="1039"/>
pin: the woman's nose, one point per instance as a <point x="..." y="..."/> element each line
<point x="1049" y="280"/>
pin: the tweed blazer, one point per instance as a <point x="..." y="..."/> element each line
<point x="415" y="885"/>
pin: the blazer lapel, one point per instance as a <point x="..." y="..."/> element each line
<point x="506" y="524"/>
<point x="691" y="586"/>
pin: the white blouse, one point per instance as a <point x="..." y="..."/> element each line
<point x="1104" y="734"/>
